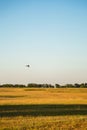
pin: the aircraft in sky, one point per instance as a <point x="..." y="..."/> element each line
<point x="28" y="66"/>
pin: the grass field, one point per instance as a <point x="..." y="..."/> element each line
<point x="43" y="109"/>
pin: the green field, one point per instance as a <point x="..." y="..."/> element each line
<point x="43" y="109"/>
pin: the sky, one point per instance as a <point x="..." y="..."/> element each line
<point x="49" y="35"/>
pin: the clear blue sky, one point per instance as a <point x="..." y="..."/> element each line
<point x="50" y="35"/>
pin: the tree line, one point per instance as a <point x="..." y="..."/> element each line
<point x="34" y="85"/>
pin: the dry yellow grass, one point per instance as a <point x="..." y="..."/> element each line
<point x="44" y="123"/>
<point x="43" y="109"/>
<point x="43" y="96"/>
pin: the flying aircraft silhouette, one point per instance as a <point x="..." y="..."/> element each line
<point x="28" y="66"/>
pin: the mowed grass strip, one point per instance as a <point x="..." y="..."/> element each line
<point x="42" y="110"/>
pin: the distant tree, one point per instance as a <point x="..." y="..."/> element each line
<point x="57" y="86"/>
<point x="82" y="85"/>
<point x="7" y="86"/>
<point x="19" y="86"/>
<point x="69" y="86"/>
<point x="33" y="85"/>
<point x="85" y="85"/>
<point x="77" y="85"/>
<point x="50" y="86"/>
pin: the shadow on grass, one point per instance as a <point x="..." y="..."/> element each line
<point x="42" y="110"/>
